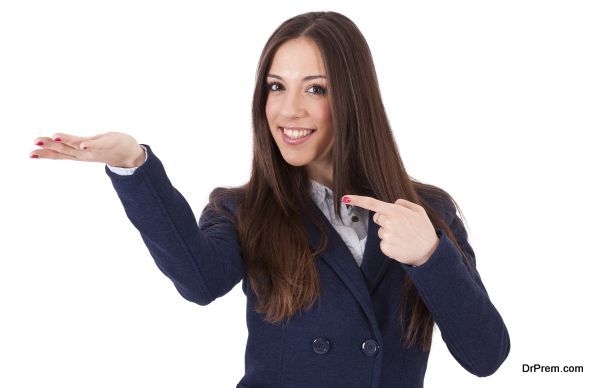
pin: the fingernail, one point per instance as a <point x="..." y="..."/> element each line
<point x="34" y="156"/>
<point x="345" y="199"/>
<point x="56" y="139"/>
<point x="39" y="143"/>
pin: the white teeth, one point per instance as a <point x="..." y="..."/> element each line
<point x="295" y="134"/>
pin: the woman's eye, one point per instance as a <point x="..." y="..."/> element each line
<point x="317" y="89"/>
<point x="270" y="86"/>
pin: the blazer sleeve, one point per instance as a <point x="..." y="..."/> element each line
<point x="202" y="259"/>
<point x="470" y="325"/>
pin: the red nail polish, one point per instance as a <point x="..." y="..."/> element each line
<point x="57" y="139"/>
<point x="34" y="156"/>
<point x="345" y="199"/>
<point x="39" y="143"/>
<point x="85" y="148"/>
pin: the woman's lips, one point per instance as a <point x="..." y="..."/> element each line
<point x="289" y="140"/>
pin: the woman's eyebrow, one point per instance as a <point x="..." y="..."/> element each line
<point x="308" y="77"/>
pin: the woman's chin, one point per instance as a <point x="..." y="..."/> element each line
<point x="296" y="164"/>
<point x="295" y="161"/>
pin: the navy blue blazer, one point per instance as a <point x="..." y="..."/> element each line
<point x="350" y="337"/>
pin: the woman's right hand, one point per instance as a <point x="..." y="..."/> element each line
<point x="115" y="148"/>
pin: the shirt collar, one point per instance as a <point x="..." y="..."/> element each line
<point x="323" y="195"/>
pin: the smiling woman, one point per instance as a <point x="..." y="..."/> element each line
<point x="337" y="295"/>
<point x="320" y="127"/>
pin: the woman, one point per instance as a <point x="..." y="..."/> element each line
<point x="337" y="296"/>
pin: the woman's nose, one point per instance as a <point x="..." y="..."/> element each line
<point x="292" y="105"/>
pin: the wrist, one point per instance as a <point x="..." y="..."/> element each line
<point x="426" y="258"/>
<point x="137" y="160"/>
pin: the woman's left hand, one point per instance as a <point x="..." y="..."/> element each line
<point x="407" y="235"/>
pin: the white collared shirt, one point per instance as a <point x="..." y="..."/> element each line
<point x="352" y="227"/>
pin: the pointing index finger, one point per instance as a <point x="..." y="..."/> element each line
<point x="369" y="203"/>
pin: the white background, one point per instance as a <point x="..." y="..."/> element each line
<point x="496" y="102"/>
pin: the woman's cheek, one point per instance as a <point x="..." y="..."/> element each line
<point x="270" y="110"/>
<point x="325" y="114"/>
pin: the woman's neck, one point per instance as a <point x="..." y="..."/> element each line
<point x="321" y="174"/>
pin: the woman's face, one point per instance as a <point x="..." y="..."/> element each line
<point x="297" y="97"/>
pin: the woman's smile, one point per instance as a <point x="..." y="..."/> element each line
<point x="296" y="136"/>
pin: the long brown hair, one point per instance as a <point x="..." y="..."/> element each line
<point x="279" y="261"/>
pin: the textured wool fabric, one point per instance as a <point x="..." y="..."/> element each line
<point x="351" y="336"/>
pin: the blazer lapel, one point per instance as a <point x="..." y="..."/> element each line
<point x="375" y="263"/>
<point x="340" y="259"/>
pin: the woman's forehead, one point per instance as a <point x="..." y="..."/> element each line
<point x="296" y="59"/>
